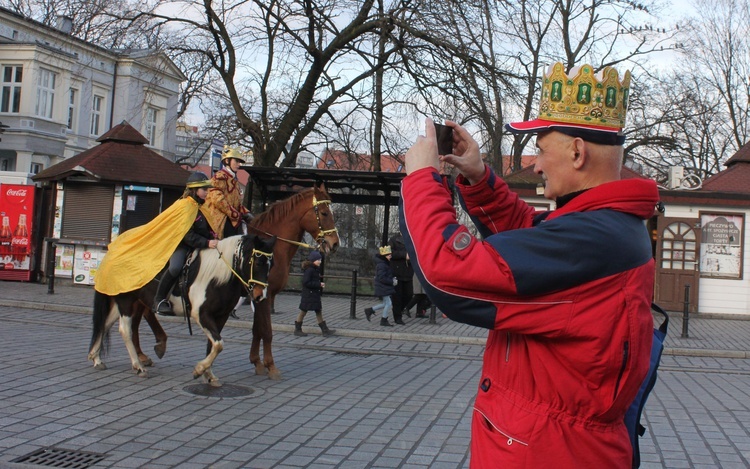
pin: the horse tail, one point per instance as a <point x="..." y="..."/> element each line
<point x="99" y="318"/>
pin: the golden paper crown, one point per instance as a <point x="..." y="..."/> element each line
<point x="230" y="152"/>
<point x="585" y="98"/>
<point x="385" y="250"/>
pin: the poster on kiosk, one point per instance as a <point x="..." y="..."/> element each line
<point x="16" y="215"/>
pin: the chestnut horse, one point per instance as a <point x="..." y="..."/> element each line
<point x="216" y="279"/>
<point x="307" y="211"/>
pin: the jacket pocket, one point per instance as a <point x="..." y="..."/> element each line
<point x="504" y="422"/>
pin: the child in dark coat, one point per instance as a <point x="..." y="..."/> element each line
<point x="384" y="284"/>
<point x="312" y="291"/>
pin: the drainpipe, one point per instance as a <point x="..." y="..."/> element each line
<point x="114" y="88"/>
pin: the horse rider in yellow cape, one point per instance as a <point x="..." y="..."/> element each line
<point x="224" y="208"/>
<point x="136" y="256"/>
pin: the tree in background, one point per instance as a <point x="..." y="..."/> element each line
<point x="282" y="76"/>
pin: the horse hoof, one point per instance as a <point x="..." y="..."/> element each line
<point x="100" y="366"/>
<point x="214" y="383"/>
<point x="141" y="373"/>
<point x="261" y="371"/>
<point x="160" y="349"/>
<point x="145" y="361"/>
<point x="275" y="375"/>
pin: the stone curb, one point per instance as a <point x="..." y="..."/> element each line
<point x="365" y="334"/>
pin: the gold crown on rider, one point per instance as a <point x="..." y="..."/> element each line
<point x="385" y="250"/>
<point x="583" y="97"/>
<point x="232" y="153"/>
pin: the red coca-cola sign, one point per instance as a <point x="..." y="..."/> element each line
<point x="11" y="193"/>
<point x="16" y="215"/>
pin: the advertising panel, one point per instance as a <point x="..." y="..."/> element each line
<point x="16" y="215"/>
<point x="721" y="245"/>
<point x="64" y="260"/>
<point x="86" y="262"/>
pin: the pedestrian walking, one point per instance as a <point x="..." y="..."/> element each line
<point x="384" y="284"/>
<point x="419" y="299"/>
<point x="311" y="296"/>
<point x="403" y="271"/>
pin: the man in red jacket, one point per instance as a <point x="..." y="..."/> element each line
<point x="565" y="294"/>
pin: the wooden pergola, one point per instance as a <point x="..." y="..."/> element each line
<point x="345" y="187"/>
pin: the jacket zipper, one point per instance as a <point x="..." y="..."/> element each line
<point x="511" y="440"/>
<point x="507" y="347"/>
<point x="625" y="351"/>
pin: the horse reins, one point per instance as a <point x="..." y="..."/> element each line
<point x="237" y="254"/>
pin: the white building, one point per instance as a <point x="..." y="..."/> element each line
<point x="59" y="94"/>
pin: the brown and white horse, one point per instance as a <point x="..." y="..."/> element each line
<point x="216" y="279"/>
<point x="307" y="211"/>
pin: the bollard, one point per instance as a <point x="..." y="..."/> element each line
<point x="433" y="313"/>
<point x="353" y="302"/>
<point x="51" y="251"/>
<point x="686" y="313"/>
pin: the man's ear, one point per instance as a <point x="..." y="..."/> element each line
<point x="579" y="153"/>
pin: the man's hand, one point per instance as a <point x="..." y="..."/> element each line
<point x="247" y="217"/>
<point x="466" y="156"/>
<point x="212" y="243"/>
<point x="423" y="153"/>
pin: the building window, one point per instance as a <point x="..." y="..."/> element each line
<point x="11" y="94"/>
<point x="36" y="168"/>
<point x="45" y="93"/>
<point x="151" y="115"/>
<point x="72" y="109"/>
<point x="96" y="114"/>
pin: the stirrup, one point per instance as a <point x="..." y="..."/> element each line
<point x="164" y="308"/>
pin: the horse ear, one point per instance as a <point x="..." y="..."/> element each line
<point x="322" y="187"/>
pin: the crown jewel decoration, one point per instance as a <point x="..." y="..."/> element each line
<point x="585" y="98"/>
<point x="233" y="153"/>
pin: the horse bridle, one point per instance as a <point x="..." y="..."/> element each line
<point x="238" y="258"/>
<point x="321" y="232"/>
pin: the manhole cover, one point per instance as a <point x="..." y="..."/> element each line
<point x="224" y="391"/>
<point x="58" y="457"/>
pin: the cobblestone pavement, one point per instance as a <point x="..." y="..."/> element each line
<point x="365" y="398"/>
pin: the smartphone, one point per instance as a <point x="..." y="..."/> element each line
<point x="444" y="136"/>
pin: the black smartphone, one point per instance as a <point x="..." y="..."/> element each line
<point x="444" y="136"/>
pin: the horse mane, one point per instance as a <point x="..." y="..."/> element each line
<point x="212" y="266"/>
<point x="278" y="211"/>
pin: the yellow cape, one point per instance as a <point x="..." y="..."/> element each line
<point x="136" y="256"/>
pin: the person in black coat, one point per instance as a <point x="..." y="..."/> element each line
<point x="312" y="291"/>
<point x="384" y="285"/>
<point x="404" y="272"/>
<point x="199" y="236"/>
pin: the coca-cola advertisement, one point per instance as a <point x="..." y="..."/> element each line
<point x="16" y="215"/>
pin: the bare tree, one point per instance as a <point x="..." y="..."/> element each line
<point x="490" y="71"/>
<point x="97" y="21"/>
<point x="719" y="41"/>
<point x="290" y="60"/>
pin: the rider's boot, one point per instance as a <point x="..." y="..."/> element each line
<point x="325" y="330"/>
<point x="162" y="306"/>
